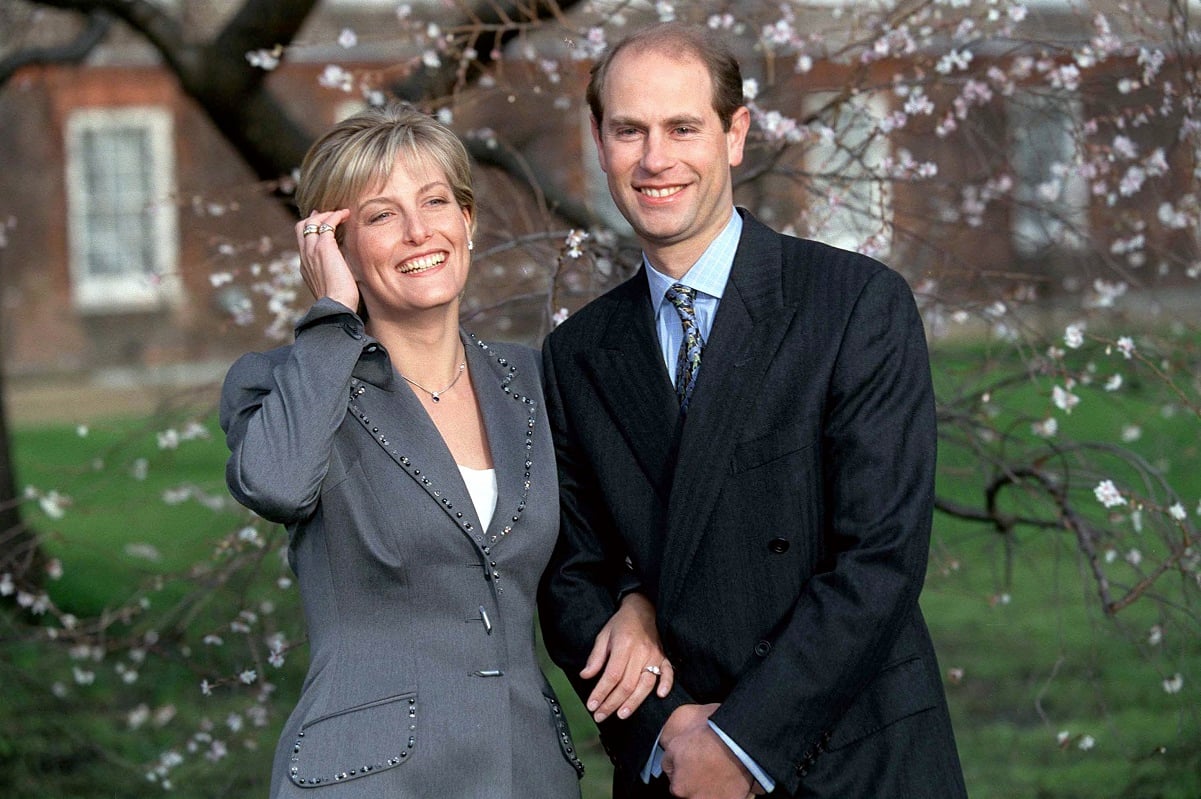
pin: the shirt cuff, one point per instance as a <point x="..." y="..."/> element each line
<point x="654" y="764"/>
<point x="765" y="782"/>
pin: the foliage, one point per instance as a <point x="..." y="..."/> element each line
<point x="1032" y="168"/>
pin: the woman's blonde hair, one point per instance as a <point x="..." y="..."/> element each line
<point x="361" y="151"/>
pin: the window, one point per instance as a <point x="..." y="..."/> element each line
<point x="122" y="216"/>
<point x="850" y="203"/>
<point x="1051" y="195"/>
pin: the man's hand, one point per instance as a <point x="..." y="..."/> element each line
<point x="697" y="762"/>
<point x="625" y="647"/>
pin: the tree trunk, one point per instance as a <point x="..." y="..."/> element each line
<point x="19" y="551"/>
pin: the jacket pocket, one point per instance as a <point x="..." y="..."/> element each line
<point x="794" y="436"/>
<point x="563" y="733"/>
<point x="895" y="693"/>
<point x="355" y="742"/>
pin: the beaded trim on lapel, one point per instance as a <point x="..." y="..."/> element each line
<point x="358" y="388"/>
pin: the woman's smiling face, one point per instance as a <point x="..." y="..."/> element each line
<point x="406" y="241"/>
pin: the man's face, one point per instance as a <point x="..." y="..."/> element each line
<point x="665" y="155"/>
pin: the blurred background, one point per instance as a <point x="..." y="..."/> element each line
<point x="1032" y="168"/>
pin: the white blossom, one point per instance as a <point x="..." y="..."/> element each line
<point x="1177" y="512"/>
<point x="347" y="38"/>
<point x="1173" y="684"/>
<point x="1047" y="428"/>
<point x="1107" y="292"/>
<point x="54" y="504"/>
<point x="1087" y="742"/>
<point x="1073" y="335"/>
<point x="266" y="60"/>
<point x="952" y="61"/>
<point x="335" y="77"/>
<point x="1064" y="399"/>
<point x="1108" y="495"/>
<point x="1125" y="147"/>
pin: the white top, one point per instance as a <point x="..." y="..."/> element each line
<point x="481" y="485"/>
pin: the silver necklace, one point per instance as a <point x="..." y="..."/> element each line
<point x="436" y="396"/>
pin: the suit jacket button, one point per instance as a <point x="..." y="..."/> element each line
<point x="779" y="545"/>
<point x="762" y="648"/>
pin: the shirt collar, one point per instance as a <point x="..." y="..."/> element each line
<point x="710" y="272"/>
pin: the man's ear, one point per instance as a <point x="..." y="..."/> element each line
<point x="740" y="124"/>
<point x="597" y="140"/>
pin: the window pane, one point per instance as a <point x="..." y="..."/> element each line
<point x="1050" y="194"/>
<point x="120" y="175"/>
<point x="117" y="196"/>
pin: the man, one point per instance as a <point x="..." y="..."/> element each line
<point x="746" y="435"/>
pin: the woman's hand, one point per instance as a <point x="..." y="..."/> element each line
<point x="628" y="649"/>
<point x="322" y="264"/>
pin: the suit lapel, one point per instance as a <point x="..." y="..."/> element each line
<point x="747" y="331"/>
<point x="507" y="423"/>
<point x="628" y="374"/>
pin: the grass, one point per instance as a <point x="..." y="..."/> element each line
<point x="1014" y="615"/>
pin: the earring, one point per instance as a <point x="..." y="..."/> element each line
<point x="470" y="245"/>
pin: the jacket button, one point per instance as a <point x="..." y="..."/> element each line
<point x="762" y="648"/>
<point x="779" y="545"/>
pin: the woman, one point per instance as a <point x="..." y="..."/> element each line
<point x="413" y="468"/>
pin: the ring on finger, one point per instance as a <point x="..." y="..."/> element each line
<point x="310" y="229"/>
<point x="655" y="670"/>
<point x="325" y="228"/>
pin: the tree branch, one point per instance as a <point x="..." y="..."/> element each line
<point x="73" y="52"/>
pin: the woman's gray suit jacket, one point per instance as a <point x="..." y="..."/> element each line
<point x="423" y="679"/>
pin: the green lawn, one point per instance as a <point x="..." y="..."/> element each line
<point x="1031" y="653"/>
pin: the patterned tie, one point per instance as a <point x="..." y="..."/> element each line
<point x="688" y="362"/>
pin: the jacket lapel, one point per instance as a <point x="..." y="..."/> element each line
<point x="629" y="376"/>
<point x="507" y="423"/>
<point x="747" y="332"/>
<point x="392" y="415"/>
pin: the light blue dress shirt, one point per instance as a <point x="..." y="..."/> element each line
<point x="708" y="276"/>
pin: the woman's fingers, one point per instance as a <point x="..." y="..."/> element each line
<point x="629" y="682"/>
<point x="322" y="264"/>
<point x="667" y="678"/>
<point x="598" y="655"/>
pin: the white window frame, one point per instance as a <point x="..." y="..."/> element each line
<point x="153" y="284"/>
<point x="851" y="167"/>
